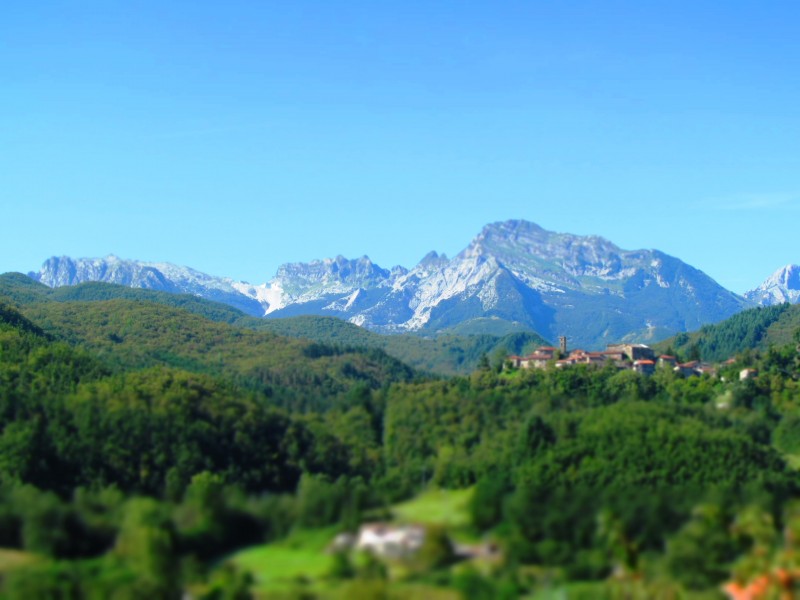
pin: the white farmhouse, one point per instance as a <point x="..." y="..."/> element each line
<point x="390" y="541"/>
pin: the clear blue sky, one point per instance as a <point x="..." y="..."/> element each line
<point x="235" y="136"/>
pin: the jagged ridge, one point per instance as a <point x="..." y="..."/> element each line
<point x="514" y="275"/>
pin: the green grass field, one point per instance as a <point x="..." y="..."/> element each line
<point x="793" y="460"/>
<point x="298" y="562"/>
<point x="12" y="559"/>
<point x="449" y="508"/>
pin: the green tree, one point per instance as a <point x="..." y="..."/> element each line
<point x="700" y="553"/>
<point x="146" y="544"/>
<point x="229" y="583"/>
<point x="436" y="550"/>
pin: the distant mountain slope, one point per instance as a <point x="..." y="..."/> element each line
<point x="782" y="286"/>
<point x="583" y="287"/>
<point x="513" y="276"/>
<point x="11" y="317"/>
<point x="757" y="328"/>
<point x="445" y="354"/>
<point x="20" y="289"/>
<point x="165" y="277"/>
<point x="296" y="374"/>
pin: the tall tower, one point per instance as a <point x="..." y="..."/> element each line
<point x="562" y="343"/>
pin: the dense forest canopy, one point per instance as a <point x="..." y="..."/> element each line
<point x="757" y="328"/>
<point x="141" y="441"/>
<point x="446" y="354"/>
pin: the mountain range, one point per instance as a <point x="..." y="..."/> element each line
<point x="513" y="276"/>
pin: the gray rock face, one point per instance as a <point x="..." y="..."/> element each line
<point x="165" y="277"/>
<point x="782" y="286"/>
<point x="583" y="287"/>
<point x="513" y="275"/>
<point x="331" y="275"/>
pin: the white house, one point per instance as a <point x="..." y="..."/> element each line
<point x="390" y="541"/>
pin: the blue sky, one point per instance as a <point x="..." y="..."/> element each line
<point x="235" y="136"/>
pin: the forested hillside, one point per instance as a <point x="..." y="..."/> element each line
<point x="446" y="354"/>
<point x="754" y="329"/>
<point x="141" y="443"/>
<point x="22" y="290"/>
<point x="293" y="373"/>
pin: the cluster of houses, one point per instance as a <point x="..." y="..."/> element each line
<point x="635" y="357"/>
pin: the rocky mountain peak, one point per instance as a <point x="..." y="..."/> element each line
<point x="782" y="286"/>
<point x="523" y="246"/>
<point x="788" y="276"/>
<point x="433" y="260"/>
<point x="524" y="235"/>
<point x="340" y="270"/>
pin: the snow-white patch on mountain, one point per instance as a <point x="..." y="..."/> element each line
<point x="270" y="297"/>
<point x="343" y="304"/>
<point x="782" y="286"/>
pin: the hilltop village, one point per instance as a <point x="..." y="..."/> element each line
<point x="634" y="357"/>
